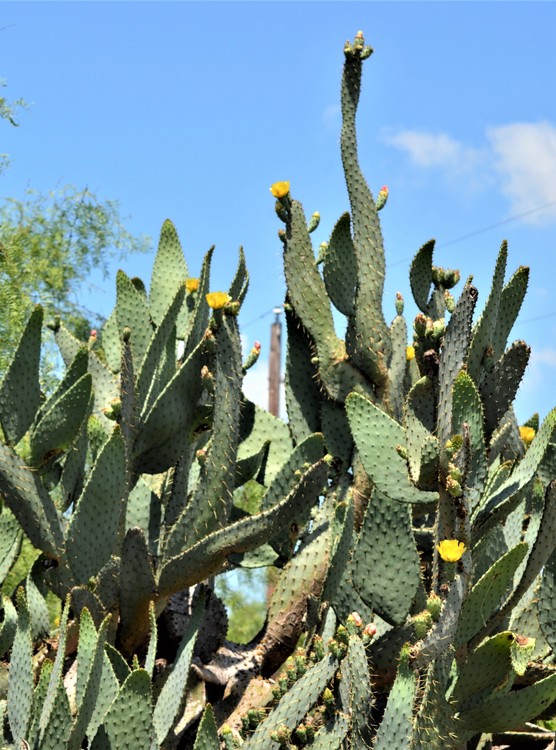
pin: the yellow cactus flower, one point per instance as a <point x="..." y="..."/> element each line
<point x="450" y="550"/>
<point x="280" y="189"/>
<point x="218" y="300"/>
<point x="527" y="434"/>
<point x="192" y="285"/>
<point x="409" y="353"/>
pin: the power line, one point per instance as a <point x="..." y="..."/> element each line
<point x="515" y="217"/>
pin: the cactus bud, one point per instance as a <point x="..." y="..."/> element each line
<point x="282" y="735"/>
<point x="369" y="632"/>
<point x="342" y="634"/>
<point x="453" y="445"/>
<point x="422" y="623"/>
<point x="420" y="325"/>
<point x="291" y="674"/>
<point x="201" y="456"/>
<point x="126" y="333"/>
<point x="208" y="379"/>
<point x="301" y="734"/>
<point x="281" y="211"/>
<point x="401" y="450"/>
<point x="451" y="278"/>
<point x="437" y="276"/>
<point x="434" y="606"/>
<point x="300" y="663"/>
<point x="366" y="52"/>
<point x="449" y="301"/>
<point x="282" y="236"/>
<point x="438" y="329"/>
<point x="318" y="649"/>
<point x="399" y="304"/>
<point x="453" y="487"/>
<point x="381" y="198"/>
<point x="328" y="697"/>
<point x="356" y="619"/>
<point x="114" y="411"/>
<point x="314" y="221"/>
<point x="454" y="472"/>
<point x="323" y="247"/>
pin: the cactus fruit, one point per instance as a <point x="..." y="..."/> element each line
<point x="410" y="521"/>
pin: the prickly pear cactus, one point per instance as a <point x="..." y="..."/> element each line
<point x="410" y="521"/>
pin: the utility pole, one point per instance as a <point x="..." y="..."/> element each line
<point x="274" y="361"/>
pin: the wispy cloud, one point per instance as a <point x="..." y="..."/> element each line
<point x="525" y="158"/>
<point x="434" y="150"/>
<point x="520" y="158"/>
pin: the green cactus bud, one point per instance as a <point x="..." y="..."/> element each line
<point x="301" y="734"/>
<point x="399" y="303"/>
<point x="253" y="356"/>
<point x="291" y="674"/>
<point x="328" y="697"/>
<point x="126" y="333"/>
<point x="401" y="450"/>
<point x="437" y="276"/>
<point x="366" y="52"/>
<point x="300" y="662"/>
<point x="208" y="379"/>
<point x="283" y="683"/>
<point x="453" y="487"/>
<point x="453" y="445"/>
<point x="282" y="236"/>
<point x="254" y="717"/>
<point x="438" y="329"/>
<point x="281" y="211"/>
<point x="114" y="411"/>
<point x="317" y="653"/>
<point x="277" y="693"/>
<point x="323" y="247"/>
<point x="282" y="735"/>
<point x="381" y="198"/>
<point x="423" y="623"/>
<point x="449" y="301"/>
<point x="454" y="472"/>
<point x="451" y="278"/>
<point x="314" y="221"/>
<point x="434" y="605"/>
<point x="342" y="635"/>
<point x="420" y="325"/>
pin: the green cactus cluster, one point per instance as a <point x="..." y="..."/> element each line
<point x="411" y="522"/>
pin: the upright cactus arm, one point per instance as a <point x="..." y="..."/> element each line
<point x="20" y="394"/>
<point x="169" y="272"/>
<point x="484" y="328"/>
<point x="369" y="342"/>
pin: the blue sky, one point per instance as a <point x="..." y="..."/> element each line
<point x="191" y="110"/>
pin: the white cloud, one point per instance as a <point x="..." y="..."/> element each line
<point x="519" y="158"/>
<point x="435" y="150"/>
<point x="525" y="158"/>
